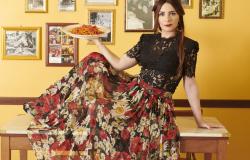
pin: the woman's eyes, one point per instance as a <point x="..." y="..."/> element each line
<point x="170" y="13"/>
<point x="161" y="13"/>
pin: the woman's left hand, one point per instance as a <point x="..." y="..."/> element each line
<point x="203" y="124"/>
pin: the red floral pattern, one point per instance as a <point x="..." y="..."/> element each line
<point x="95" y="112"/>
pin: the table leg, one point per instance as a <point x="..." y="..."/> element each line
<point x="221" y="151"/>
<point x="5" y="148"/>
<point x="208" y="156"/>
<point x="188" y="156"/>
<point x="193" y="155"/>
<point x="23" y="154"/>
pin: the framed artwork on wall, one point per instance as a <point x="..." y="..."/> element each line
<point x="139" y="16"/>
<point x="100" y="2"/>
<point x="211" y="9"/>
<point x="186" y="3"/>
<point x="21" y="43"/>
<point x="61" y="49"/>
<point x="103" y="18"/>
<point x="36" y="6"/>
<point x="67" y="5"/>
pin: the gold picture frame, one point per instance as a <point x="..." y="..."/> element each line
<point x="100" y="2"/>
<point x="61" y="49"/>
<point x="66" y="5"/>
<point x="211" y="9"/>
<point x="36" y="6"/>
<point x="21" y="43"/>
<point x="105" y="18"/>
<point x="137" y="19"/>
<point x="186" y="3"/>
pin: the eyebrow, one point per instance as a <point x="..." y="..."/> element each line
<point x="169" y="11"/>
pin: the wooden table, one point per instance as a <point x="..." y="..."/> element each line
<point x="199" y="140"/>
<point x="193" y="139"/>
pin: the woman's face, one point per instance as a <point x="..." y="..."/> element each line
<point x="168" y="19"/>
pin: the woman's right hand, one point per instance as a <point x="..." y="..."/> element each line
<point x="95" y="40"/>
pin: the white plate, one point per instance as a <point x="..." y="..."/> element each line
<point x="68" y="29"/>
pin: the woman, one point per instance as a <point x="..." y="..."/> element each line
<point x="96" y="111"/>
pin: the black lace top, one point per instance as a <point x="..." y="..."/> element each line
<point x="159" y="60"/>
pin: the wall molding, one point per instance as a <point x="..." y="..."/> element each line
<point x="207" y="103"/>
<point x="15" y="100"/>
<point x="218" y="103"/>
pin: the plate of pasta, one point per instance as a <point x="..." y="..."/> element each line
<point x="85" y="31"/>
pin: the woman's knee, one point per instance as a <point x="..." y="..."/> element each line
<point x="96" y="56"/>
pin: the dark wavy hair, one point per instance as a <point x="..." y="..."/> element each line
<point x="180" y="29"/>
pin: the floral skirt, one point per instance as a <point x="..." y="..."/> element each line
<point x="95" y="112"/>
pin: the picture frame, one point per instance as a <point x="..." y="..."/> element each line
<point x="105" y="18"/>
<point x="186" y="3"/>
<point x="61" y="49"/>
<point x="67" y="5"/>
<point x="139" y="16"/>
<point x="21" y="43"/>
<point x="101" y="2"/>
<point x="211" y="9"/>
<point x="36" y="6"/>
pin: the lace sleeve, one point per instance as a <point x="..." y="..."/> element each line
<point x="190" y="60"/>
<point x="135" y="51"/>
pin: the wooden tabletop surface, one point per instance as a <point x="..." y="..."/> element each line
<point x="187" y="127"/>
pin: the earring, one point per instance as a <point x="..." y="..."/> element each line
<point x="179" y="29"/>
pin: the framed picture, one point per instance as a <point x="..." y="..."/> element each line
<point x="67" y="5"/>
<point x="186" y="3"/>
<point x="21" y="43"/>
<point x="211" y="9"/>
<point x="36" y="6"/>
<point x="139" y="16"/>
<point x="100" y="2"/>
<point x="103" y="18"/>
<point x="61" y="49"/>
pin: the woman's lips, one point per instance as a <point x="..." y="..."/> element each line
<point x="168" y="25"/>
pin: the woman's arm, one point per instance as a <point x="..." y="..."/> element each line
<point x="117" y="63"/>
<point x="192" y="93"/>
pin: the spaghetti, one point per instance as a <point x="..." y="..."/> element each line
<point x="86" y="30"/>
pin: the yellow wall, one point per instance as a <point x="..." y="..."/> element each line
<point x="222" y="68"/>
